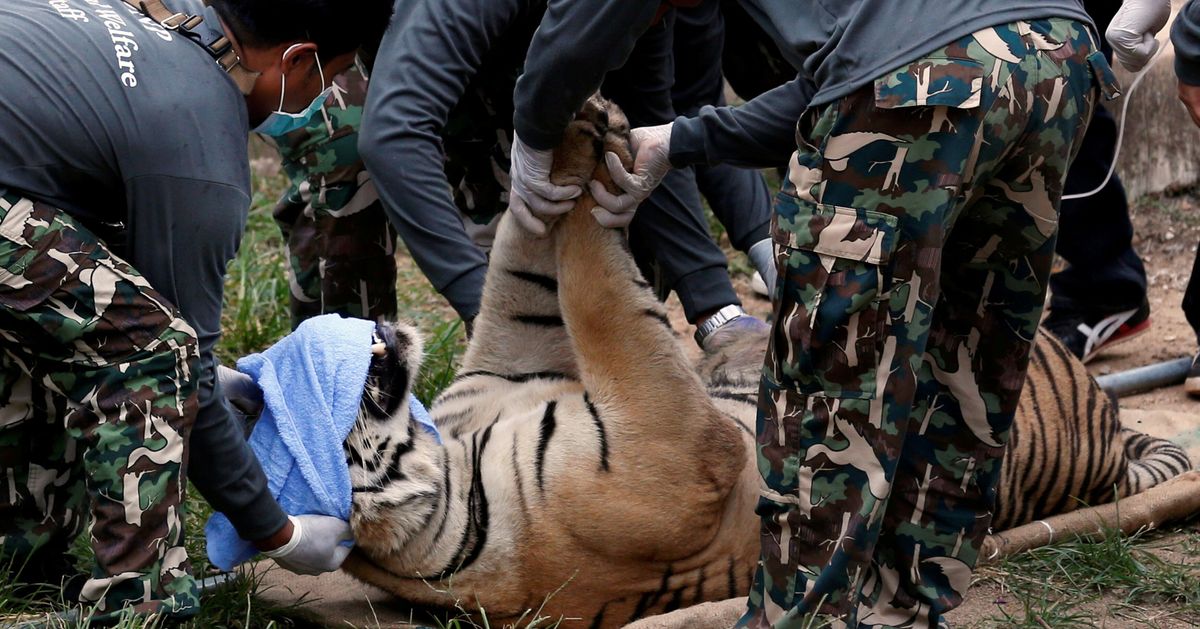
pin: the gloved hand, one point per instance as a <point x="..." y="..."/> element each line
<point x="315" y="546"/>
<point x="1133" y="28"/>
<point x="762" y="255"/>
<point x="243" y="394"/>
<point x="532" y="197"/>
<point x="651" y="161"/>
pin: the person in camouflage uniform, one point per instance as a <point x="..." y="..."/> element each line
<point x="340" y="242"/>
<point x="341" y="246"/>
<point x="903" y="331"/>
<point x="913" y="241"/>
<point x="123" y="196"/>
<point x="85" y="339"/>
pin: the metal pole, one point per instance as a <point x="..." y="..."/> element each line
<point x="1141" y="379"/>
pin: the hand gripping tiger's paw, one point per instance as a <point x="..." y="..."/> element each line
<point x="650" y="164"/>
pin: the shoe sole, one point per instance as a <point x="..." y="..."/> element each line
<point x="1119" y="338"/>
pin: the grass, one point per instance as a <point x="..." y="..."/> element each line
<point x="1145" y="578"/>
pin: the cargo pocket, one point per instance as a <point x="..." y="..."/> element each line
<point x="832" y="316"/>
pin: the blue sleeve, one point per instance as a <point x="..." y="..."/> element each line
<point x="183" y="234"/>
<point x="578" y="42"/>
<point x="428" y="56"/>
<point x="1185" y="35"/>
<point x="759" y="134"/>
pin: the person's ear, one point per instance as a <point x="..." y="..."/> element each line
<point x="300" y="59"/>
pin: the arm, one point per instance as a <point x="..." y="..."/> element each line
<point x="183" y="233"/>
<point x="425" y="62"/>
<point x="759" y="134"/>
<point x="578" y="42"/>
<point x="1185" y="34"/>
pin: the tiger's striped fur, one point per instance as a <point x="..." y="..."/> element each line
<point x="585" y="457"/>
<point x="1068" y="448"/>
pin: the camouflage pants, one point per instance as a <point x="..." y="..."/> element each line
<point x="341" y="245"/>
<point x="914" y="239"/>
<point x="97" y="399"/>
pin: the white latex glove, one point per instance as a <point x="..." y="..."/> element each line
<point x="316" y="545"/>
<point x="1132" y="30"/>
<point x="651" y="161"/>
<point x="532" y="197"/>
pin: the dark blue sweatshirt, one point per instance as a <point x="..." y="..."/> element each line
<point x="1185" y="35"/>
<point x="839" y="46"/>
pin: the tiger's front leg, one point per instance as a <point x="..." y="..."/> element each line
<point x="669" y="444"/>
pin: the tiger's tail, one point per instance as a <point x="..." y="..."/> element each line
<point x="1150" y="461"/>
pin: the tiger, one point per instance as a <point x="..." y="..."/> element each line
<point x="588" y="469"/>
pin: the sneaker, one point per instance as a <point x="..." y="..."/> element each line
<point x="1086" y="337"/>
<point x="1192" y="384"/>
<point x="759" y="286"/>
<point x="762" y="256"/>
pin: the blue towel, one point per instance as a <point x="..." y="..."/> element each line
<point x="417" y="411"/>
<point x="312" y="382"/>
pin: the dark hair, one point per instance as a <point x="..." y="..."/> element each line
<point x="335" y="26"/>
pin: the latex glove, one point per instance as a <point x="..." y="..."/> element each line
<point x="1190" y="96"/>
<point x="1133" y="28"/>
<point x="316" y="545"/>
<point x="651" y="161"/>
<point x="243" y="394"/>
<point x="532" y="198"/>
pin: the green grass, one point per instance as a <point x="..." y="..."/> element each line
<point x="443" y="350"/>
<point x="1143" y="578"/>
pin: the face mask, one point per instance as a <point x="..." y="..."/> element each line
<point x="280" y="122"/>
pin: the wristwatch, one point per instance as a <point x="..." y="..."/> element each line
<point x="720" y="318"/>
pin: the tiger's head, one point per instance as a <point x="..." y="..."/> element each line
<point x="392" y="460"/>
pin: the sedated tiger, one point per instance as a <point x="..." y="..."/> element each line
<point x="587" y="460"/>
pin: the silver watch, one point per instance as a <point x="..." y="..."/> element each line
<point x="720" y="318"/>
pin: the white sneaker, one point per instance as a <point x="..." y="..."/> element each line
<point x="759" y="286"/>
